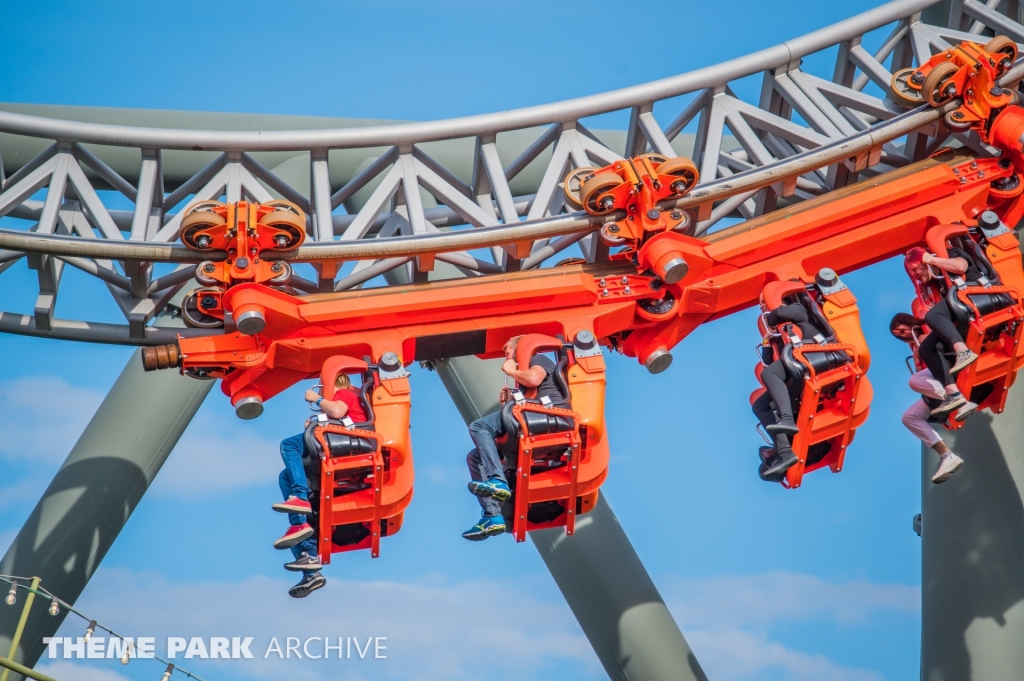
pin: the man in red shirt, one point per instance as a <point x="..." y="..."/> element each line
<point x="294" y="488"/>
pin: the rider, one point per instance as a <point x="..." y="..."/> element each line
<point x="488" y="479"/>
<point x="907" y="328"/>
<point x="774" y="378"/>
<point x="294" y="489"/>
<point x="940" y="318"/>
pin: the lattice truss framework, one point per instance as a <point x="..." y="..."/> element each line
<point x="798" y="113"/>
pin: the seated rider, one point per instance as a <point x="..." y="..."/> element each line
<point x="940" y="318"/>
<point x="295" y="490"/>
<point x="905" y="327"/>
<point x="485" y="470"/>
<point x="774" y="378"/>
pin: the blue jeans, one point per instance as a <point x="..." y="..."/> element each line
<point x="293" y="483"/>
<point x="484" y="461"/>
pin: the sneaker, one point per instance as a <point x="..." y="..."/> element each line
<point x="304" y="563"/>
<point x="951" y="464"/>
<point x="963" y="359"/>
<point x="495" y="488"/>
<point x="487" y="527"/>
<point x="780" y="464"/>
<point x="786" y="426"/>
<point x="294" y="535"/>
<point x="311" y="581"/>
<point x="293" y="505"/>
<point x="965" y="411"/>
<point x="954" y="401"/>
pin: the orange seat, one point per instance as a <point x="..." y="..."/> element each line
<point x="556" y="459"/>
<point x="365" y="477"/>
<point x="833" y="395"/>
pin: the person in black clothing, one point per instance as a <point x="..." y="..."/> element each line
<point x="939" y="318"/>
<point x="488" y="479"/>
<point x="774" y="378"/>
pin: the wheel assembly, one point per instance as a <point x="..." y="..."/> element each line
<point x="595" y="194"/>
<point x="196" y="305"/>
<point x="682" y="174"/>
<point x="939" y="87"/>
<point x="905" y="87"/>
<point x="573" y="184"/>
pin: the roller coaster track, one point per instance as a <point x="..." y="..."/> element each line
<point x="805" y="136"/>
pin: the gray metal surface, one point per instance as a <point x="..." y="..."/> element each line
<point x="96" y="489"/>
<point x="386" y="189"/>
<point x="972" y="553"/>
<point x="597" y="569"/>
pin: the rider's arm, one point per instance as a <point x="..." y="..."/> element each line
<point x="335" y="409"/>
<point x="787" y="313"/>
<point x="530" y="377"/>
<point x="953" y="265"/>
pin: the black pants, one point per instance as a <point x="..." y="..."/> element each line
<point x="930" y="353"/>
<point x="774" y="378"/>
<point x="940" y="319"/>
<point x="762" y="408"/>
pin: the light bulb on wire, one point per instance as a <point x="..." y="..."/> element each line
<point x="127" y="652"/>
<point x="54" y="607"/>
<point x="167" y="674"/>
<point x="90" y="630"/>
<point x="12" y="595"/>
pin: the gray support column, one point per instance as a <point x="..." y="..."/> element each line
<point x="972" y="554"/>
<point x="95" y="491"/>
<point x="597" y="570"/>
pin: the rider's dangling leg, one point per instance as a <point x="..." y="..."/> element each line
<point x="930" y="354"/>
<point x="774" y="379"/>
<point x="915" y="418"/>
<point x="491" y="522"/>
<point x="940" y="320"/>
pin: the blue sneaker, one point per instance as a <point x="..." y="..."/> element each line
<point x="487" y="527"/>
<point x="495" y="488"/>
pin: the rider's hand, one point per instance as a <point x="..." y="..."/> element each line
<point x="509" y="366"/>
<point x="312" y="396"/>
<point x="504" y="395"/>
<point x="927" y="258"/>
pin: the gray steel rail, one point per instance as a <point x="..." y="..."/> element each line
<point x="379" y="195"/>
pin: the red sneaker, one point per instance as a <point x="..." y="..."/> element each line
<point x="294" y="535"/>
<point x="294" y="505"/>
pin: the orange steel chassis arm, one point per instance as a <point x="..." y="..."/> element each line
<point x="848" y="229"/>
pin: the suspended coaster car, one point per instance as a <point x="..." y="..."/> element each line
<point x="556" y="458"/>
<point x="826" y="375"/>
<point x="988" y="312"/>
<point x="361" y="474"/>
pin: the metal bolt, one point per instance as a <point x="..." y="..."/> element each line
<point x="276" y="267"/>
<point x="625" y="280"/>
<point x="203" y="241"/>
<point x="209" y="268"/>
<point x="602" y="283"/>
<point x="956" y="171"/>
<point x="604" y="293"/>
<point x="614" y="229"/>
<point x="974" y="164"/>
<point x="981" y="173"/>
<point x="626" y="291"/>
<point x="963" y="180"/>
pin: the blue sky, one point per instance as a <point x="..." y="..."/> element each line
<point x="770" y="585"/>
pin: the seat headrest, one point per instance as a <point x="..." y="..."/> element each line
<point x="938" y="236"/>
<point x="532" y="343"/>
<point x="775" y="291"/>
<point x="338" y="364"/>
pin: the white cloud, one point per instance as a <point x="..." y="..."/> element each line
<point x="41" y="417"/>
<point x="757" y="600"/>
<point x="83" y="671"/>
<point x="215" y="455"/>
<point x="434" y="629"/>
<point x="737" y="655"/>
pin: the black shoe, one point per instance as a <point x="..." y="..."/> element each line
<point x="766" y="453"/>
<point x="311" y="581"/>
<point x="304" y="563"/>
<point x="780" y="464"/>
<point x="761" y="472"/>
<point x="951" y="403"/>
<point x="786" y="427"/>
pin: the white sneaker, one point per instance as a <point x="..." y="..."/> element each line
<point x="965" y="411"/>
<point x="951" y="464"/>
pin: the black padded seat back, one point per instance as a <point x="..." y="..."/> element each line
<point x="538" y="423"/>
<point x="821" y="360"/>
<point x="341" y="444"/>
<point x="817" y="318"/>
<point x="366" y="398"/>
<point x="977" y="255"/>
<point x="561" y="367"/>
